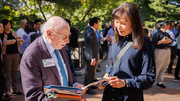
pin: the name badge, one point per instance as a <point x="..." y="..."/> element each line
<point x="48" y="62"/>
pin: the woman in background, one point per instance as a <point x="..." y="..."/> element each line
<point x="11" y="56"/>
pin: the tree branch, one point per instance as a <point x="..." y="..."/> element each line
<point x="87" y="12"/>
<point x="102" y="15"/>
<point x="25" y="2"/>
<point x="39" y="3"/>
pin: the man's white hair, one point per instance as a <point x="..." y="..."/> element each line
<point x="56" y="23"/>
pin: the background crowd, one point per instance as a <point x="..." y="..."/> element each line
<point x="13" y="45"/>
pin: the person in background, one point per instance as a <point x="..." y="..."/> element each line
<point x="135" y="70"/>
<point x="172" y="25"/>
<point x="21" y="31"/>
<point x="37" y="24"/>
<point x="173" y="49"/>
<point x="72" y="44"/>
<point x="149" y="31"/>
<point x="11" y="57"/>
<point x="177" y="69"/>
<point x="145" y="30"/>
<point x="110" y="34"/>
<point x="162" y="42"/>
<point x="100" y="39"/>
<point x="106" y="25"/>
<point x="45" y="61"/>
<point x="2" y="78"/>
<point x="176" y="28"/>
<point x="91" y="52"/>
<point x="155" y="29"/>
<point x="30" y="30"/>
<point x="105" y="43"/>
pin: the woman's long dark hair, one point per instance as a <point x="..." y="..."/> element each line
<point x="130" y="10"/>
<point x="29" y="27"/>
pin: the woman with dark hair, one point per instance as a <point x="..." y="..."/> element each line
<point x="10" y="50"/>
<point x="135" y="70"/>
<point x="29" y="30"/>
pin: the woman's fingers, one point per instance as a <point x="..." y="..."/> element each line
<point x="116" y="82"/>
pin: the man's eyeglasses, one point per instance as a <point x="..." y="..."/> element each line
<point x="63" y="36"/>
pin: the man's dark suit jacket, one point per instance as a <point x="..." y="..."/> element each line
<point x="91" y="45"/>
<point x="35" y="76"/>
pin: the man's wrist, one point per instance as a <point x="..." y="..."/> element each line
<point x="75" y="84"/>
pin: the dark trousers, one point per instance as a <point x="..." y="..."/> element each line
<point x="176" y="74"/>
<point x="70" y="60"/>
<point x="90" y="73"/>
<point x="169" y="69"/>
<point x="2" y="82"/>
<point x="10" y="65"/>
<point x="104" y="47"/>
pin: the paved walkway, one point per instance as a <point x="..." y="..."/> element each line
<point x="171" y="93"/>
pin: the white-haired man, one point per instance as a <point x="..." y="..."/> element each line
<point x="45" y="61"/>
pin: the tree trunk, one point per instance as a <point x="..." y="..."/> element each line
<point x="39" y="3"/>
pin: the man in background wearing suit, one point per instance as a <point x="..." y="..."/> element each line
<point x="91" y="51"/>
<point x="45" y="61"/>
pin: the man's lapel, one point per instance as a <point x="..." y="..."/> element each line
<point x="46" y="55"/>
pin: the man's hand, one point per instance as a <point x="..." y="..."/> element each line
<point x="80" y="86"/>
<point x="168" y="40"/>
<point x="93" y="62"/>
<point x="165" y="40"/>
<point x="108" y="38"/>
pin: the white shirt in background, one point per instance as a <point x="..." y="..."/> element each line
<point x="20" y="32"/>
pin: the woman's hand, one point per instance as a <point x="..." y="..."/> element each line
<point x="100" y="85"/>
<point x="106" y="76"/>
<point x="115" y="82"/>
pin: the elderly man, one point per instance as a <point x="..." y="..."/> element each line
<point x="45" y="61"/>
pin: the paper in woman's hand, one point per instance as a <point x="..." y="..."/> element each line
<point x="94" y="83"/>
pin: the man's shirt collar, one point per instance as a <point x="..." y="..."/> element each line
<point x="93" y="28"/>
<point x="49" y="47"/>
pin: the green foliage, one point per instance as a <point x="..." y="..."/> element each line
<point x="156" y="10"/>
<point x="79" y="11"/>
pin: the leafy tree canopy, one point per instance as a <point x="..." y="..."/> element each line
<point x="79" y="11"/>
